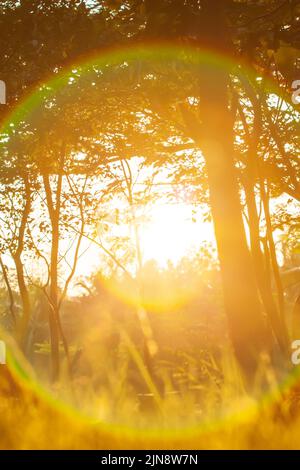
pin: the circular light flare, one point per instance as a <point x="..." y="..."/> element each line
<point x="169" y="247"/>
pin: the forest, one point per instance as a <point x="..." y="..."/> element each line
<point x="149" y="224"/>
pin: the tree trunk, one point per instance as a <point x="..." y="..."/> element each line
<point x="25" y="299"/>
<point x="53" y="313"/>
<point x="264" y="283"/>
<point x="54" y="212"/>
<point x="16" y="255"/>
<point x="263" y="280"/>
<point x="273" y="257"/>
<point x="10" y="292"/>
<point x="247" y="327"/>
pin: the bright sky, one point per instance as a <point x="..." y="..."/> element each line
<point x="171" y="233"/>
<point x="168" y="235"/>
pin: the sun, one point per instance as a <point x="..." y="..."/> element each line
<point x="173" y="232"/>
<point x="169" y="233"/>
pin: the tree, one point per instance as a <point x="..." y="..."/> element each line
<point x="163" y="119"/>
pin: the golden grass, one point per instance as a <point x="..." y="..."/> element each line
<point x="30" y="421"/>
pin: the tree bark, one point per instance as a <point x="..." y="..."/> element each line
<point x="9" y="290"/>
<point x="25" y="299"/>
<point x="54" y="211"/>
<point x="249" y="334"/>
<point x="252" y="174"/>
<point x="17" y="257"/>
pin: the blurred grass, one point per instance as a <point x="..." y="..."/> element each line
<point x="30" y="421"/>
<point x="189" y="396"/>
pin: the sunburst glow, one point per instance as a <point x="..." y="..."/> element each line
<point x="173" y="232"/>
